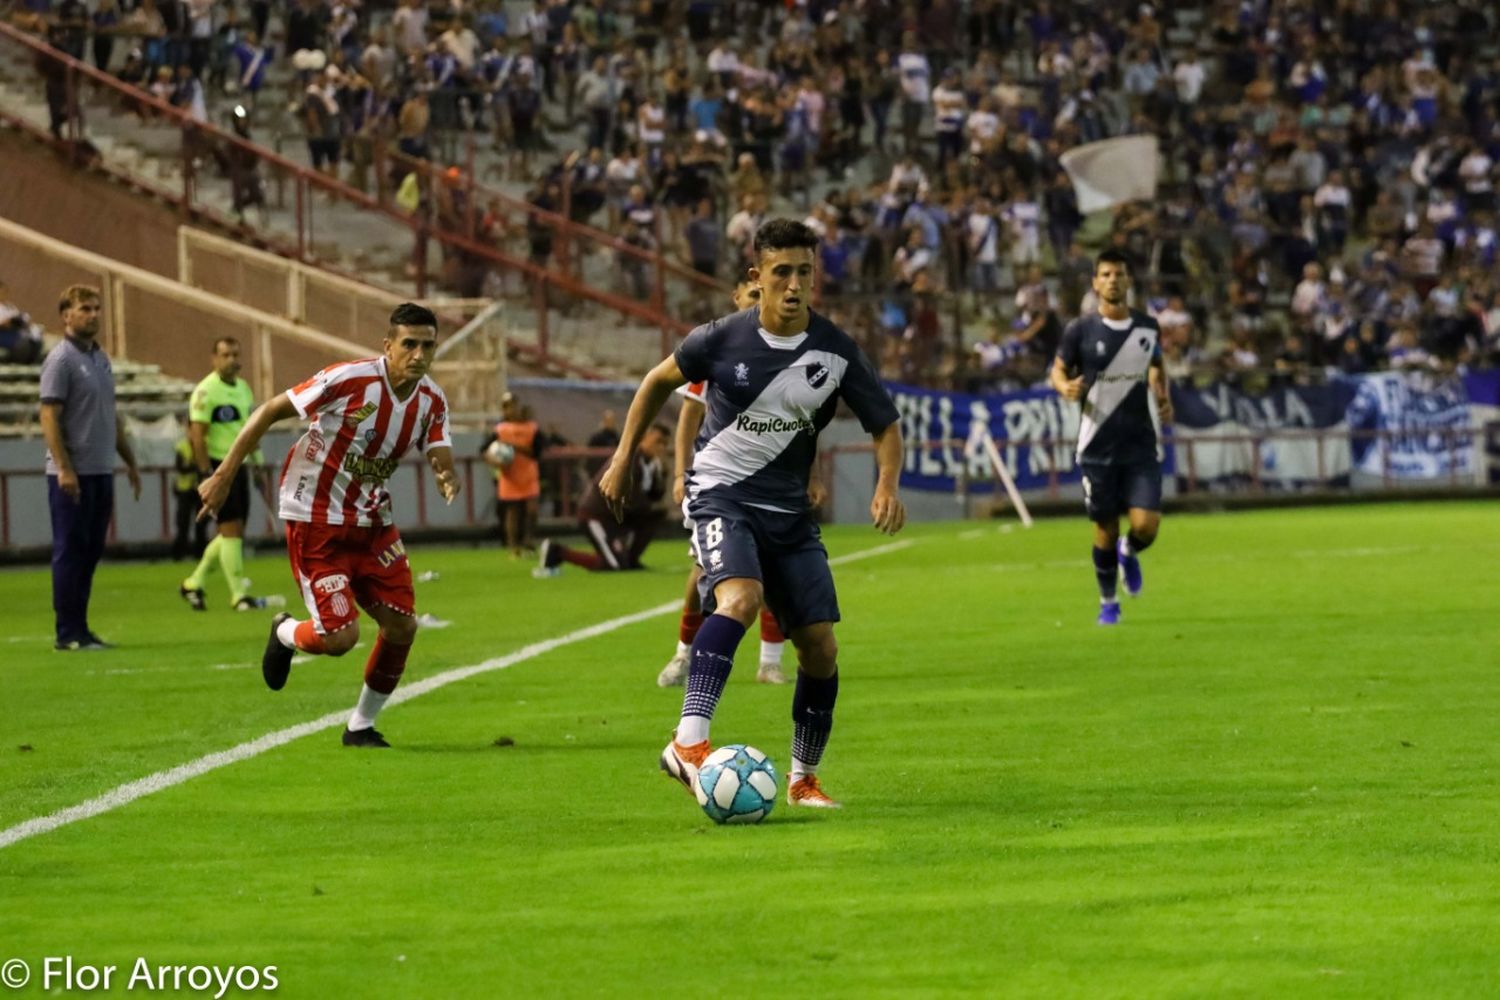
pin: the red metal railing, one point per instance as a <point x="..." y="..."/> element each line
<point x="568" y="235"/>
<point x="298" y="187"/>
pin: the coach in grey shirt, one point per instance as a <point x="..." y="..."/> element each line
<point x="83" y="436"/>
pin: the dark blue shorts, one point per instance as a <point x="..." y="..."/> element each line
<point x="1110" y="489"/>
<point x="783" y="551"/>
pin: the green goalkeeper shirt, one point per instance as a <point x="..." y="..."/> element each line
<point x="224" y="408"/>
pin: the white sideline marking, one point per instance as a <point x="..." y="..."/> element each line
<point x="162" y="780"/>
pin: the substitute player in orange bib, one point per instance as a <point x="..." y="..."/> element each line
<point x="345" y="550"/>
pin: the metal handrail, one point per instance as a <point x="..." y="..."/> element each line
<point x="308" y="180"/>
<point x="562" y="225"/>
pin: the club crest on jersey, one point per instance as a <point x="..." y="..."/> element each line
<point x="372" y="434"/>
<point x="1099" y="347"/>
<point x="817" y="374"/>
<point x="741" y="374"/>
<point x="1144" y="342"/>
<point x="354" y="418"/>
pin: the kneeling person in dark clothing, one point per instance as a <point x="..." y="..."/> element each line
<point x="618" y="544"/>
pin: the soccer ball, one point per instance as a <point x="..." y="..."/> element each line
<point x="501" y="452"/>
<point x="737" y="784"/>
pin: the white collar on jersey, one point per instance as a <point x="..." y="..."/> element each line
<point x="783" y="343"/>
<point x="1118" y="324"/>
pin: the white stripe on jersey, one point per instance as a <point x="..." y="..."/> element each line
<point x="336" y="472"/>
<point x="1126" y="370"/>
<point x="763" y="430"/>
<point x="601" y="542"/>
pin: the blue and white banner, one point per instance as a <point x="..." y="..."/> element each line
<point x="1424" y="423"/>
<point x="1395" y="425"/>
<point x="945" y="434"/>
<point x="1225" y="435"/>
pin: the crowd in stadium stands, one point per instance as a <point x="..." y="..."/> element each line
<point x="1327" y="197"/>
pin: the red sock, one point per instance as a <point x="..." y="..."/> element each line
<point x="692" y="621"/>
<point x="308" y="639"/>
<point x="588" y="560"/>
<point x="769" y="630"/>
<point x="386" y="664"/>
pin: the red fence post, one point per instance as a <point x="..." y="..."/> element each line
<point x="659" y="294"/>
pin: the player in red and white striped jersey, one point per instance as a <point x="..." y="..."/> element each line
<point x="345" y="551"/>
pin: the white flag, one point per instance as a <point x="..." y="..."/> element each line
<point x="1112" y="171"/>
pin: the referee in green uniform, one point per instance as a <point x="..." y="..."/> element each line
<point x="221" y="404"/>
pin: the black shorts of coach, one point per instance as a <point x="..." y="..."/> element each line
<point x="784" y="551"/>
<point x="237" y="505"/>
<point x="1110" y="488"/>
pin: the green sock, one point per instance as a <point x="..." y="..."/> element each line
<point x="232" y="558"/>
<point x="206" y="565"/>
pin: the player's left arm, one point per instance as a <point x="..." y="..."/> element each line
<point x="886" y="509"/>
<point x="441" y="460"/>
<point x="127" y="454"/>
<point x="1156" y="380"/>
<point x="438" y="446"/>
<point x="877" y="413"/>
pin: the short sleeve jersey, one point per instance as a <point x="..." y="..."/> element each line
<point x="1118" y="425"/>
<point x="767" y="399"/>
<point x="359" y="431"/>
<point x="80" y="377"/>
<point x="224" y="408"/>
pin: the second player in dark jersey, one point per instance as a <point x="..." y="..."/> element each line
<point x="1110" y="363"/>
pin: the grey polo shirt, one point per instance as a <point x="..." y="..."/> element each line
<point x="80" y="378"/>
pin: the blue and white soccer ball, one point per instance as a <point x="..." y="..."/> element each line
<point x="737" y="784"/>
<point x="501" y="452"/>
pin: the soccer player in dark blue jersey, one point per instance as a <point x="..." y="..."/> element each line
<point x="775" y="376"/>
<point x="1111" y="361"/>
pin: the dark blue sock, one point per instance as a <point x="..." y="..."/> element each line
<point x="710" y="664"/>
<point x="1137" y="543"/>
<point x="812" y="716"/>
<point x="1107" y="569"/>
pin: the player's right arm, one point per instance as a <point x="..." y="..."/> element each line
<point x="614" y="485"/>
<point x="54" y="395"/>
<point x="199" y="414"/>
<point x="689" y="421"/>
<point x="52" y="433"/>
<point x="215" y="489"/>
<point x="1065" y="364"/>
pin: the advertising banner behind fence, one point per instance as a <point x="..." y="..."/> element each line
<point x="1402" y="426"/>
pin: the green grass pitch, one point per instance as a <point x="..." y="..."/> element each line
<point x="1277" y="777"/>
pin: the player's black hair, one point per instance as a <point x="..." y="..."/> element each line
<point x="225" y="340"/>
<point x="784" y="234"/>
<point x="1115" y="257"/>
<point x="411" y="314"/>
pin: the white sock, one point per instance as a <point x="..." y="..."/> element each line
<point x="684" y="648"/>
<point x="800" y="769"/>
<point x="691" y="729"/>
<point x="770" y="653"/>
<point x="1125" y="547"/>
<point x="370" y="704"/>
<point x="286" y="633"/>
